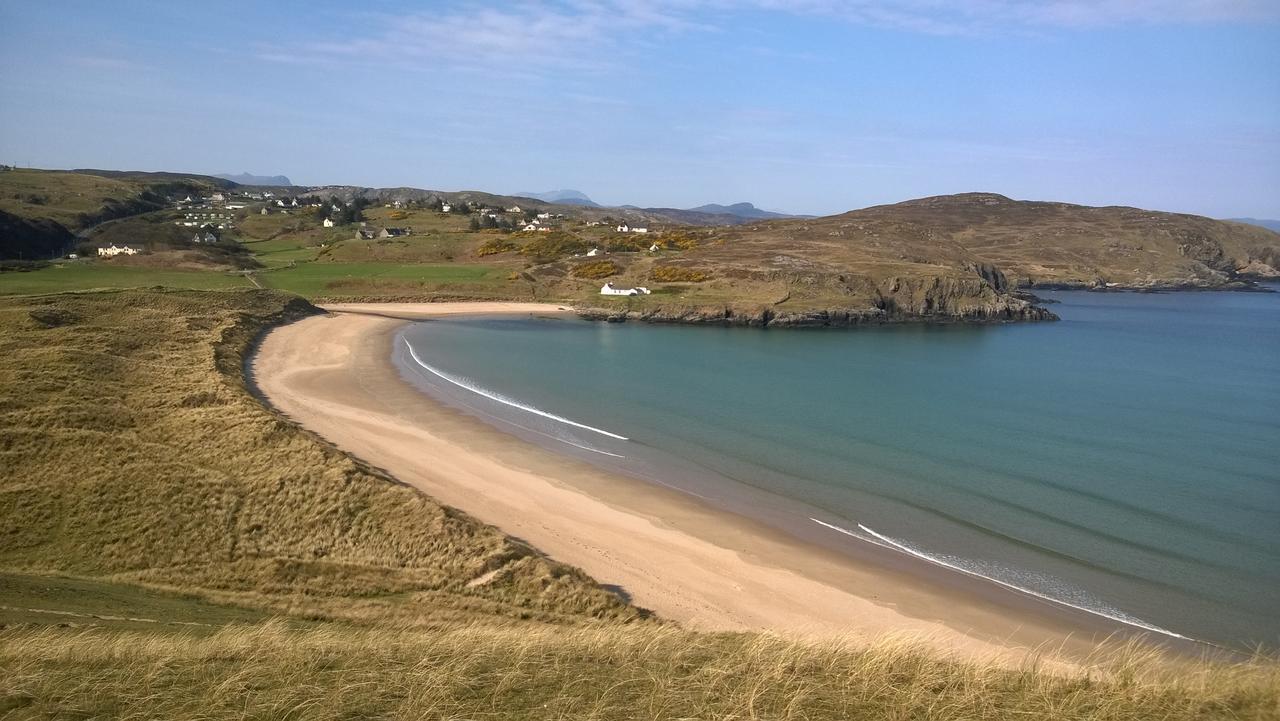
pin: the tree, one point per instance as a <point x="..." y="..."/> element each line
<point x="475" y="223"/>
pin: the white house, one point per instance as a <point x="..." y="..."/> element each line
<point x="530" y="226"/>
<point x="608" y="289"/>
<point x="544" y="216"/>
<point x="279" y="203"/>
<point x="653" y="248"/>
<point x="328" y="222"/>
<point x="446" y="208"/>
<point x="593" y="252"/>
<point x="639" y="230"/>
<point x="514" y="209"/>
<point x="113" y="250"/>
<point x="624" y="228"/>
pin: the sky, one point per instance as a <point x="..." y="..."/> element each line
<point x="805" y="106"/>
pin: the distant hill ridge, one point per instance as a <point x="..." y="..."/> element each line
<point x="250" y="179"/>
<point x="1261" y="223"/>
<point x="741" y="210"/>
<point x="564" y="197"/>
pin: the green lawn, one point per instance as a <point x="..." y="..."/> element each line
<point x="321" y="279"/>
<point x="87" y="275"/>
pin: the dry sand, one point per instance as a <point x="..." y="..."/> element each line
<point x="667" y="552"/>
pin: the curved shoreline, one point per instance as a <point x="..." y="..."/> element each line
<point x="703" y="567"/>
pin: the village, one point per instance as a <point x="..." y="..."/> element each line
<point x="335" y="226"/>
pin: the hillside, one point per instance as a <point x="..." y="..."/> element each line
<point x="960" y="257"/>
<point x="43" y="208"/>
<point x="174" y="549"/>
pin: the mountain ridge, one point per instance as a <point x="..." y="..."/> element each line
<point x="247" y="178"/>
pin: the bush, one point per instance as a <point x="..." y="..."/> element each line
<point x="677" y="240"/>
<point x="676" y="274"/>
<point x="554" y="245"/>
<point x="596" y="269"/>
<point x="494" y="246"/>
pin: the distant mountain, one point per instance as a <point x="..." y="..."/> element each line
<point x="247" y="179"/>
<point x="1268" y="224"/>
<point x="741" y="210"/>
<point x="564" y="197"/>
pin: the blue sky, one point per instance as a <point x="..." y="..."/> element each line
<point x="809" y="106"/>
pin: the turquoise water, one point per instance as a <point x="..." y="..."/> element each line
<point x="1125" y="460"/>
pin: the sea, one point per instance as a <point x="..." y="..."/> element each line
<point x="1123" y="462"/>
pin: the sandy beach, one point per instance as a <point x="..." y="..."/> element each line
<point x="697" y="565"/>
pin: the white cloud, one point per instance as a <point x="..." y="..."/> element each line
<point x="594" y="35"/>
<point x="989" y="16"/>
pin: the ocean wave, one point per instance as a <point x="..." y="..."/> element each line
<point x="884" y="541"/>
<point x="466" y="384"/>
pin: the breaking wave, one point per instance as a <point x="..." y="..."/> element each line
<point x="466" y="384"/>
<point x="884" y="541"/>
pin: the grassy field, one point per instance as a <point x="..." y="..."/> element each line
<point x="170" y="548"/>
<point x="336" y="280"/>
<point x="93" y="274"/>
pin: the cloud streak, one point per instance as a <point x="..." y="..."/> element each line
<point x="594" y="36"/>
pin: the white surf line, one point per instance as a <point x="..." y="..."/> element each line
<point x="884" y="541"/>
<point x="548" y="435"/>
<point x="507" y="401"/>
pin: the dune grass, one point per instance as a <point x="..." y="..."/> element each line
<point x="170" y="548"/>
<point x="132" y="449"/>
<point x="92" y="274"/>
<point x="271" y="671"/>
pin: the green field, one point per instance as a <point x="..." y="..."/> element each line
<point x="324" y="280"/>
<point x="88" y="275"/>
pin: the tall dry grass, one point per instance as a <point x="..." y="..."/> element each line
<point x="130" y="448"/>
<point x="270" y="671"/>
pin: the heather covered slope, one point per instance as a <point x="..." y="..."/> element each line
<point x="1041" y="243"/>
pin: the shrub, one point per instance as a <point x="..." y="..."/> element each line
<point x="550" y="246"/>
<point x="494" y="246"/>
<point x="677" y="240"/>
<point x="676" y="274"/>
<point x="596" y="269"/>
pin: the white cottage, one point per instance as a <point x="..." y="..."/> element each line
<point x="593" y="252"/>
<point x="113" y="250"/>
<point x="608" y="289"/>
<point x="328" y="222"/>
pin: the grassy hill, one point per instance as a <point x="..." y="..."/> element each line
<point x="41" y="210"/>
<point x="170" y="548"/>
